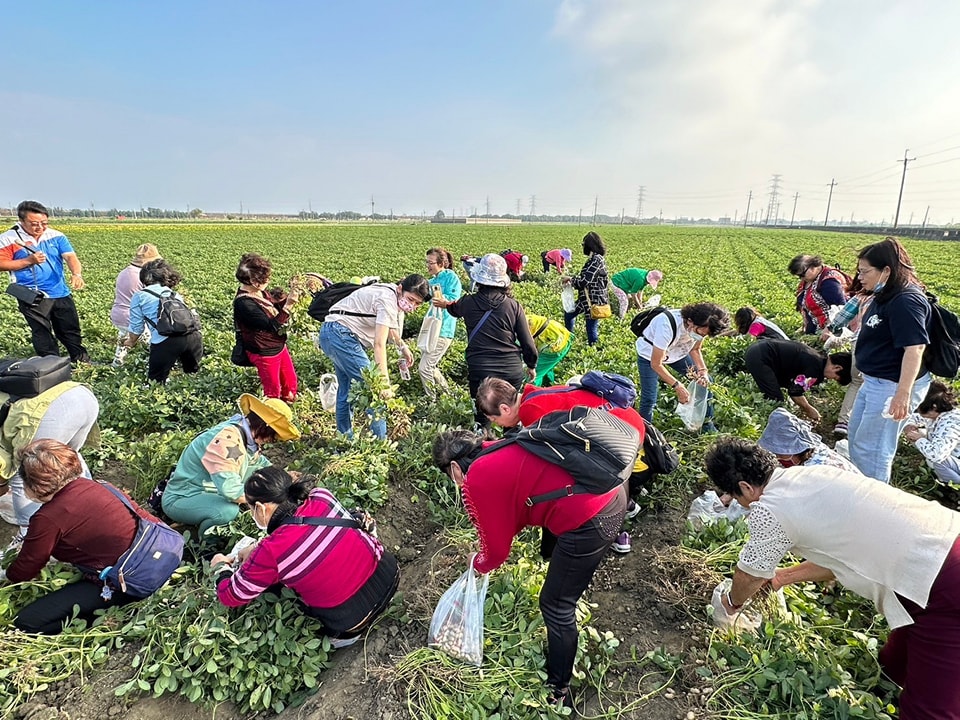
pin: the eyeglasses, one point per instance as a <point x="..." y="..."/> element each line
<point x="866" y="270"/>
<point x="431" y="263"/>
<point x="803" y="271"/>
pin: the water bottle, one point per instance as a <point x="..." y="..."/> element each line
<point x="404" y="367"/>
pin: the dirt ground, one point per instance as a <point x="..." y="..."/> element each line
<point x="627" y="589"/>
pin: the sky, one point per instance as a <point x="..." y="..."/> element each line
<point x="552" y="105"/>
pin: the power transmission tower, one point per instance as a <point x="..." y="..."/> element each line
<point x="640" y="203"/>
<point x="774" y="197"/>
<point x="533" y="205"/>
<point x="596" y="199"/>
<point x="371" y="207"/>
<point x="903" y="179"/>
<point x="621" y="215"/>
<point x="746" y="215"/>
<point x="518" y="207"/>
<point x="488" y="206"/>
<point x="794" y="213"/>
<point x="833" y="183"/>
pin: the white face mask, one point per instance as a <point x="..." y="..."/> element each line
<point x="253" y="514"/>
<point x="697" y="337"/>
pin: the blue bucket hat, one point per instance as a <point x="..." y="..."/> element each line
<point x="786" y="434"/>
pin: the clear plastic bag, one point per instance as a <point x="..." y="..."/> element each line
<point x="751" y="615"/>
<point x="694" y="411"/>
<point x="568" y="298"/>
<point x="708" y="508"/>
<point x="457" y="624"/>
<point x="328" y="391"/>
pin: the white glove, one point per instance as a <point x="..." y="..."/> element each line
<point x="739" y="620"/>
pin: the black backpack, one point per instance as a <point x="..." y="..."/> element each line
<point x="643" y="319"/>
<point x="598" y="449"/>
<point x="658" y="454"/>
<point x="325" y="299"/>
<point x="942" y="356"/>
<point x="174" y="318"/>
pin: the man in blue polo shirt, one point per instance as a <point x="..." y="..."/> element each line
<point x="34" y="255"/>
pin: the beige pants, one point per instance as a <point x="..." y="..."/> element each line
<point x="429" y="370"/>
<point x="856" y="380"/>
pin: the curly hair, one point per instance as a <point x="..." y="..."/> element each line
<point x="254" y="269"/>
<point x="733" y="460"/>
<point x="160" y="272"/>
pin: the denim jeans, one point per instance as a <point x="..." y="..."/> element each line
<point x="873" y="438"/>
<point x="650" y="386"/>
<point x="349" y="358"/>
<point x="593" y="326"/>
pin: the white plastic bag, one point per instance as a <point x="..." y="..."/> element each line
<point x="652" y="301"/>
<point x="457" y="624"/>
<point x="568" y="298"/>
<point x="694" y="410"/>
<point x="430" y="330"/>
<point x="708" y="508"/>
<point x="749" y="617"/>
<point x="7" y="513"/>
<point x="328" y="391"/>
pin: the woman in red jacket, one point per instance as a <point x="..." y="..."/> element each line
<point x="80" y="522"/>
<point x="495" y="490"/>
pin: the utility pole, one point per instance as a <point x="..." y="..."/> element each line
<point x="640" y="203"/>
<point x="925" y="216"/>
<point x="579" y="217"/>
<point x="621" y="216"/>
<point x="596" y="199"/>
<point x="833" y="182"/>
<point x="774" y="196"/>
<point x="746" y="215"/>
<point x="903" y="179"/>
<point x="796" y="197"/>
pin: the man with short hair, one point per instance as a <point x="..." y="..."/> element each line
<point x="34" y="255"/>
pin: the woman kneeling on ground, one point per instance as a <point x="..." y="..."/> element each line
<point x="206" y="487"/>
<point x="935" y="429"/>
<point x="79" y="521"/>
<point x="343" y="575"/>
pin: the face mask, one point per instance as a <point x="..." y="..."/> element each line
<point x="879" y="286"/>
<point x="697" y="337"/>
<point x="404" y="303"/>
<point x="253" y="513"/>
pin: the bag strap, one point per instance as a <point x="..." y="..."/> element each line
<point x="479" y="325"/>
<point x="321" y="522"/>
<point x="673" y="326"/>
<point x="539" y="332"/>
<point x="351" y="314"/>
<point x="567" y="490"/>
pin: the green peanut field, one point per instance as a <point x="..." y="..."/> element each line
<point x="647" y="646"/>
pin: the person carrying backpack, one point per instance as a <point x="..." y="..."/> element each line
<point x="673" y="338"/>
<point x="495" y="489"/>
<point x="186" y="346"/>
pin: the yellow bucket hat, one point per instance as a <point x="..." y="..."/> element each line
<point x="274" y="412"/>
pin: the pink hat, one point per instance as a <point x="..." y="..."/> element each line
<point x="566" y="254"/>
<point x="654" y="277"/>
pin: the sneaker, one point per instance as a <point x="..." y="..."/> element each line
<point x="622" y="543"/>
<point x="560" y="698"/>
<point x="632" y="511"/>
<point x="340" y="643"/>
<point x="840" y="428"/>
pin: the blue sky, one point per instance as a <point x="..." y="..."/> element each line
<point x="440" y="105"/>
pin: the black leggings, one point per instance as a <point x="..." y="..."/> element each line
<point x="188" y="349"/>
<point x="48" y="615"/>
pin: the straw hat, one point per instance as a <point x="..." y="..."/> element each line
<point x="274" y="412"/>
<point x="145" y="253"/>
<point x="490" y="270"/>
<point x="786" y="434"/>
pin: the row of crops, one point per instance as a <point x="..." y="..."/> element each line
<point x="818" y="661"/>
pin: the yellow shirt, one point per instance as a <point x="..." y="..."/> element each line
<point x="549" y="335"/>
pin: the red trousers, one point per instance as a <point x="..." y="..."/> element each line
<point x="924" y="658"/>
<point x="277" y="374"/>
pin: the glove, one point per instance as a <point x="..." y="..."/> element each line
<point x="739" y="620"/>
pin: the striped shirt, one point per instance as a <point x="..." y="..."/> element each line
<point x="324" y="565"/>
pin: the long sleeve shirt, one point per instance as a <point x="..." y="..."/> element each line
<point x="942" y="436"/>
<point x="495" y="491"/>
<point x="84" y="524"/>
<point x="325" y="565"/>
<point x="261" y="322"/>
<point x="592" y="283"/>
<point x="504" y="336"/>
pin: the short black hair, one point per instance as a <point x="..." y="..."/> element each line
<point x="744" y="318"/>
<point x="939" y="397"/>
<point x="802" y="263"/>
<point x="31" y="206"/>
<point x="733" y="460"/>
<point x="458" y="446"/>
<point x="844" y="361"/>
<point x="416" y="284"/>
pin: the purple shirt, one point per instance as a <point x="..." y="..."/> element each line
<point x="128" y="282"/>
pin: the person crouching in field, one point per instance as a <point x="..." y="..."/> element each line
<point x="206" y="487"/>
<point x="128" y="283"/>
<point x="935" y="429"/>
<point x="81" y="522"/>
<point x="890" y="546"/>
<point x="342" y="574"/>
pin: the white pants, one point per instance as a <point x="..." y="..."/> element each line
<point x="429" y="369"/>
